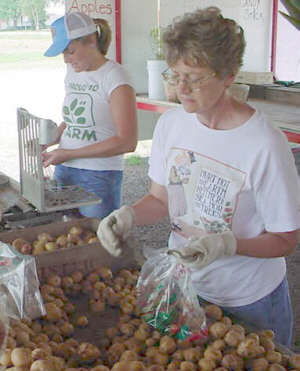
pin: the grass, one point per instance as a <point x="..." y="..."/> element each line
<point x="135" y="160"/>
<point x="26" y="49"/>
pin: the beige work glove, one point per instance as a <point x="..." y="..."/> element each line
<point x="114" y="229"/>
<point x="202" y="251"/>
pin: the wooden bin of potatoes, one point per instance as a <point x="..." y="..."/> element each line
<point x="148" y="347"/>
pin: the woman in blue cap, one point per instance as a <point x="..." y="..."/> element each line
<point x="99" y="112"/>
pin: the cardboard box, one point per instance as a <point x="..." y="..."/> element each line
<point x="258" y="78"/>
<point x="67" y="260"/>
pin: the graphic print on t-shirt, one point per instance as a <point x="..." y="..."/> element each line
<point x="202" y="193"/>
<point x="78" y="115"/>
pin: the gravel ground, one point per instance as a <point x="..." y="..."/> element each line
<point x="136" y="185"/>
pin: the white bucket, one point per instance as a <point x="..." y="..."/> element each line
<point x="155" y="80"/>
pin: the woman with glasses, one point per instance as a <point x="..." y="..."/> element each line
<point x="239" y="184"/>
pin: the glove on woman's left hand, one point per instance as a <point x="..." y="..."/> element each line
<point x="207" y="249"/>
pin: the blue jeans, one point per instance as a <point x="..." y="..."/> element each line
<point x="273" y="312"/>
<point x="106" y="184"/>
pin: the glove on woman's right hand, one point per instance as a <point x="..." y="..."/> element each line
<point x="114" y="229"/>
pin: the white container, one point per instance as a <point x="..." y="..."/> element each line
<point x="156" y="89"/>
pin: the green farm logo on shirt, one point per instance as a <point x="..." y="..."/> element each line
<point x="78" y="115"/>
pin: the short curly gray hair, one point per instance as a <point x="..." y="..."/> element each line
<point x="205" y="38"/>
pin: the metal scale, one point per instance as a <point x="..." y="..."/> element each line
<point x="37" y="187"/>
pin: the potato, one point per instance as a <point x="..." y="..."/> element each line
<point x="120" y="366"/>
<point x="232" y="361"/>
<point x="77" y="230"/>
<point x="54" y="280"/>
<point x="22" y="338"/>
<point x="93" y="240"/>
<point x="66" y="328"/>
<point x="191" y="354"/>
<point x="88" y="352"/>
<point x="254" y="336"/>
<point x="39" y="353"/>
<point x="129" y="355"/>
<point x="61" y="241"/>
<point x="156" y="368"/>
<point x="217" y="330"/>
<point x="273" y="357"/>
<point x="218" y="344"/>
<point x="21" y="357"/>
<point x="5" y="358"/>
<point x="50" y="246"/>
<point x="26" y="249"/>
<point x="227" y="321"/>
<point x="167" y="345"/>
<point x="65" y="351"/>
<point x="238" y="328"/>
<point x="267" y="334"/>
<point x="160" y="359"/>
<point x="105" y="273"/>
<point x="127" y="329"/>
<point x="234" y="337"/>
<point x="141" y="333"/>
<point x="77" y="276"/>
<point x="45" y="237"/>
<point x="53" y="312"/>
<point x="267" y="343"/>
<point x="82" y="321"/>
<point x="213" y="311"/>
<point x="294" y="361"/>
<point x="42" y="365"/>
<point x="276" y="367"/>
<point x="18" y="243"/>
<point x="172" y="366"/>
<point x="247" y="348"/>
<point x="259" y="364"/>
<point x="206" y="364"/>
<point x="37" y="250"/>
<point x="188" y="366"/>
<point x="136" y="366"/>
<point x="213" y="354"/>
<point x="72" y="239"/>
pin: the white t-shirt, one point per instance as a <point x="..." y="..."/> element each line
<point x="87" y="112"/>
<point x="244" y="180"/>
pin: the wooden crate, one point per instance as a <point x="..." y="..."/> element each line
<point x="65" y="261"/>
<point x="258" y="78"/>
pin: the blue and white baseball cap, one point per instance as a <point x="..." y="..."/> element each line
<point x="70" y="27"/>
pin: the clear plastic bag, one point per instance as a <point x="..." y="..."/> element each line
<point x="4" y="325"/>
<point x="167" y="300"/>
<point x="19" y="282"/>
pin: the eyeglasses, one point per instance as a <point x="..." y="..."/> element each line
<point x="193" y="84"/>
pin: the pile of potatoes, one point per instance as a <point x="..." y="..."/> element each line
<point x="49" y="343"/>
<point x="75" y="236"/>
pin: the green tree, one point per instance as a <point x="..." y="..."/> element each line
<point x="35" y="11"/>
<point x="10" y="10"/>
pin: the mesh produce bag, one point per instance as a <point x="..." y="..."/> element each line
<point x="19" y="282"/>
<point x="167" y="300"/>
